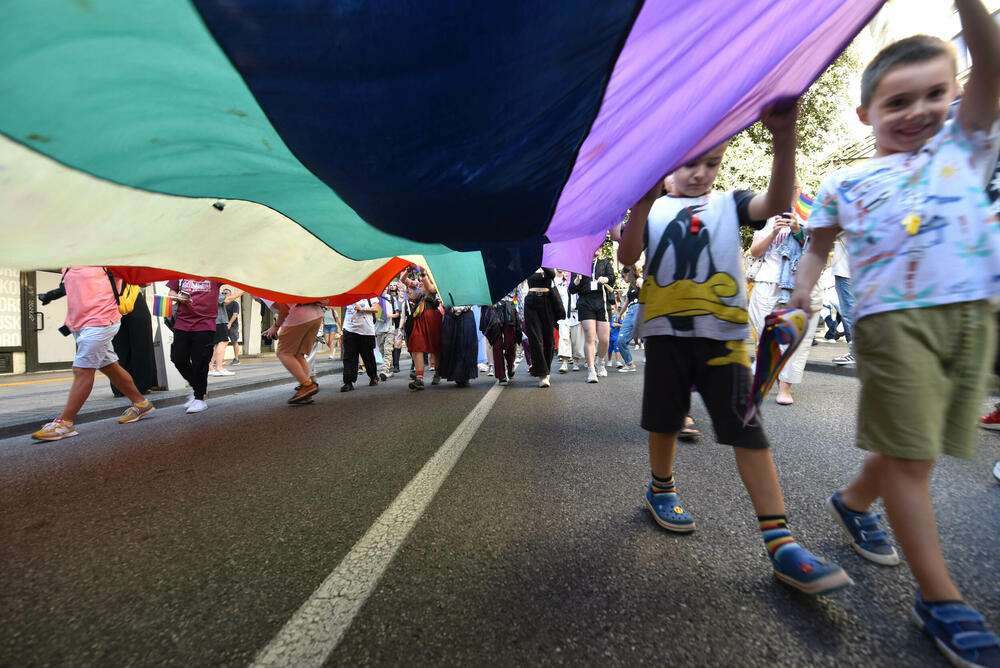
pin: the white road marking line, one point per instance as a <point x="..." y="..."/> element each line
<point x="314" y="631"/>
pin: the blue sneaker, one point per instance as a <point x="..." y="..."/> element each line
<point x="668" y="512"/>
<point x="796" y="566"/>
<point x="959" y="632"/>
<point x="867" y="537"/>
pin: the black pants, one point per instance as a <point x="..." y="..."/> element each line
<point x="191" y="352"/>
<point x="134" y="346"/>
<point x="539" y="323"/>
<point x="354" y="345"/>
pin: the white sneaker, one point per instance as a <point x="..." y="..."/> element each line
<point x="609" y="363"/>
<point x="602" y="369"/>
<point x="564" y="367"/>
<point x="626" y="368"/>
<point x="213" y="372"/>
<point x="996" y="472"/>
<point x="491" y="372"/>
<point x="842" y="361"/>
<point x="189" y="401"/>
<point x="225" y="372"/>
<point x="544" y="382"/>
<point x="576" y="367"/>
<point x="197" y="406"/>
<point x="591" y="374"/>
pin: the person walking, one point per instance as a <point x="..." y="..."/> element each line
<point x="359" y="340"/>
<point x="540" y="323"/>
<point x="196" y="308"/>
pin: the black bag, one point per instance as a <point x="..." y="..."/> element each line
<point x="489" y="324"/>
<point x="558" y="310"/>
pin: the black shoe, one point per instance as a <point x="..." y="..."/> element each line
<point x="436" y="380"/>
<point x="347" y="387"/>
<point x="372" y="381"/>
<point x="382" y="377"/>
<point x="417" y="384"/>
<point x="395" y="369"/>
<point x="413" y="375"/>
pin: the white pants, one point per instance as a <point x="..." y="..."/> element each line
<point x="763" y="301"/>
<point x="570" y="340"/>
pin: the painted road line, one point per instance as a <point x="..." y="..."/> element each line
<point x="314" y="631"/>
<point x="47" y="380"/>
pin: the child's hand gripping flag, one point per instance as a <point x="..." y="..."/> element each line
<point x="781" y="329"/>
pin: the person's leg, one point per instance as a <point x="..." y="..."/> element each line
<point x="589" y="328"/>
<point x="534" y="328"/>
<point x="83" y="383"/>
<point x="794" y="369"/>
<point x="845" y="295"/>
<point x="202" y="344"/>
<point x="366" y="348"/>
<point x="762" y="300"/>
<point x="218" y="355"/>
<point x="296" y="365"/>
<point x="662" y="449"/>
<point x="603" y="339"/>
<point x="906" y="493"/>
<point x="121" y="379"/>
<point x="760" y="478"/>
<point x="499" y="367"/>
<point x="351" y="351"/>
<point x="386" y="343"/>
<point x="180" y="354"/>
<point x="509" y="334"/>
<point x="625" y="335"/>
<point x="236" y="351"/>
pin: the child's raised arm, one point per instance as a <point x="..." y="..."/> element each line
<point x="630" y="246"/>
<point x="781" y="188"/>
<point x="979" y="106"/>
<point x="811" y="266"/>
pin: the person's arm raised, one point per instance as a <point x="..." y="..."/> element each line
<point x="981" y="33"/>
<point x="780" y="190"/>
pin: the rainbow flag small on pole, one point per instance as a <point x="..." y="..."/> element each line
<point x="783" y="332"/>
<point x="163" y="306"/>
<point x="804" y="206"/>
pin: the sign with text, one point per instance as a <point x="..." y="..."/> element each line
<point x="10" y="308"/>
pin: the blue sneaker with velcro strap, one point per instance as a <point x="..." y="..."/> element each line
<point x="959" y="632"/>
<point x="867" y="537"/>
<point x="668" y="512"/>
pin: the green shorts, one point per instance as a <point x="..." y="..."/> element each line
<point x="923" y="374"/>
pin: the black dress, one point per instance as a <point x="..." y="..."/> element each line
<point x="134" y="346"/>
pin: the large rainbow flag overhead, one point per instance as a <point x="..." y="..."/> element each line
<point x="313" y="148"/>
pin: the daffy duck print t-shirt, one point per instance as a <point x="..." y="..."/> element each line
<point x="694" y="282"/>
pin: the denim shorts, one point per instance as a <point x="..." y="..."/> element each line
<point x="93" y="347"/>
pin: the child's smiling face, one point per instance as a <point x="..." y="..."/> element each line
<point x="909" y="105"/>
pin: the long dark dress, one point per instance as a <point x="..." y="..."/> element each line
<point x="134" y="346"/>
<point x="459" y="357"/>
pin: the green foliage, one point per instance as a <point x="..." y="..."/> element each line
<point x="820" y="126"/>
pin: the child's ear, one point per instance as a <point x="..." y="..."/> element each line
<point x="863" y="114"/>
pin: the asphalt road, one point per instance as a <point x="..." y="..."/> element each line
<point x="193" y="540"/>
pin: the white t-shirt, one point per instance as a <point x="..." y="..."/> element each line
<point x="770" y="271"/>
<point x="694" y="283"/>
<point x="357" y="322"/>
<point x="954" y="254"/>
<point x="841" y="258"/>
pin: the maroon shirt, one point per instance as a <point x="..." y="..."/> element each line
<point x="199" y="315"/>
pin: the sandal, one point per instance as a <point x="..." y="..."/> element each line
<point x="688" y="432"/>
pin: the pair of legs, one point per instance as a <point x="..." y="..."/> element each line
<point x="540" y="325"/>
<point x="331" y="338"/>
<point x="218" y="356"/>
<point x="295" y="343"/>
<point x="596" y="336"/>
<point x="756" y="469"/>
<point x="384" y="341"/>
<point x="625" y="335"/>
<point x="191" y="353"/>
<point x="83" y="383"/>
<point x="505" y="351"/>
<point x="363" y="346"/>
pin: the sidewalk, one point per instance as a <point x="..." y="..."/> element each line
<point x="27" y="401"/>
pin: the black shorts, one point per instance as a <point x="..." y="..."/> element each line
<point x="234" y="334"/>
<point x="592" y="307"/>
<point x="221" y="332"/>
<point x="720" y="370"/>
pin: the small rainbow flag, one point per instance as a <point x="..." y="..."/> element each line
<point x="163" y="306"/>
<point x="804" y="206"/>
<point x="781" y="329"/>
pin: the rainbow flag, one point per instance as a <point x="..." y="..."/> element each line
<point x="163" y="306"/>
<point x="783" y="332"/>
<point x="804" y="206"/>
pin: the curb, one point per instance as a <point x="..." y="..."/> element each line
<point x="26" y="427"/>
<point x="847" y="370"/>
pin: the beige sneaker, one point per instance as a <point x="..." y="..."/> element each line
<point x="137" y="412"/>
<point x="55" y="430"/>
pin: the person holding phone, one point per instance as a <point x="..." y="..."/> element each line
<point x="780" y="242"/>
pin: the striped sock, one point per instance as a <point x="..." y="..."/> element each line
<point x="664" y="485"/>
<point x="420" y="375"/>
<point x="774" y="529"/>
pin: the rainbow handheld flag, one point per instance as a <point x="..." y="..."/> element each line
<point x="804" y="206"/>
<point x="163" y="306"/>
<point x="782" y="329"/>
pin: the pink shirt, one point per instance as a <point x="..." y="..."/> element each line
<point x="199" y="315"/>
<point x="89" y="299"/>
